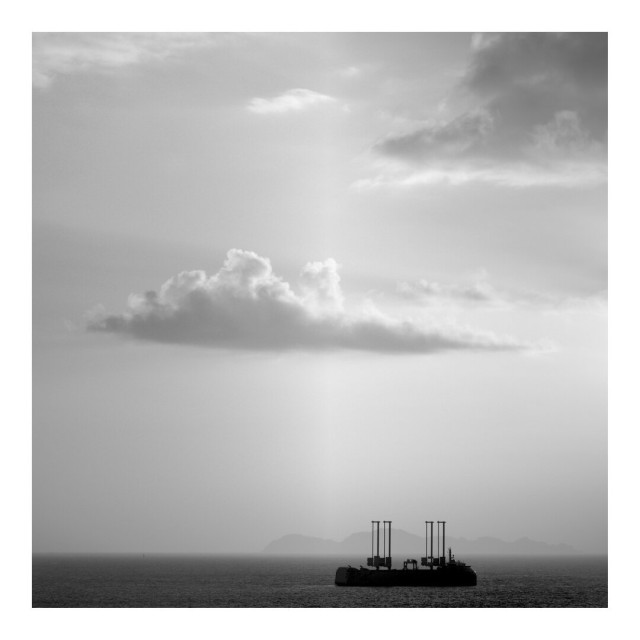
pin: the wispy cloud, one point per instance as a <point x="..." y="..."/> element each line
<point x="349" y="72"/>
<point x="479" y="292"/>
<point x="564" y="174"/>
<point x="56" y="54"/>
<point x="245" y="305"/>
<point x="538" y="117"/>
<point x="292" y="100"/>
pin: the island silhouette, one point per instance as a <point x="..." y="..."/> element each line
<point x="408" y="543"/>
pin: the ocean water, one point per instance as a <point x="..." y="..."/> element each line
<point x="268" y="581"/>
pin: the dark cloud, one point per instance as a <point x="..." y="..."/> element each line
<point x="507" y="60"/>
<point x="245" y="305"/>
<point x="519" y="91"/>
<point x="528" y="78"/>
<point x="466" y="135"/>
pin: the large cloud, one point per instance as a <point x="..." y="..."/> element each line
<point x="245" y="305"/>
<point x="532" y="109"/>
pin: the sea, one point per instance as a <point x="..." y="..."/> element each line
<point x="224" y="581"/>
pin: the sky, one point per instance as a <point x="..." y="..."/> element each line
<point x="291" y="283"/>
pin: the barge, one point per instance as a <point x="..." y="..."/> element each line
<point x="438" y="571"/>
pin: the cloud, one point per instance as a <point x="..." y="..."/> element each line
<point x="476" y="292"/>
<point x="349" y="72"/>
<point x="564" y="135"/>
<point x="56" y="54"/>
<point x="564" y="174"/>
<point x="245" y="305"/>
<point x="462" y="136"/>
<point x="481" y="293"/>
<point x="292" y="100"/>
<point x="532" y="111"/>
<point x="572" y="63"/>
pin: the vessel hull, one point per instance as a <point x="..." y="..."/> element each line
<point x="440" y="577"/>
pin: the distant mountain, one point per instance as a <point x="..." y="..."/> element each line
<point x="404" y="543"/>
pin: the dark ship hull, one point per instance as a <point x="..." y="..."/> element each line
<point x="445" y="576"/>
